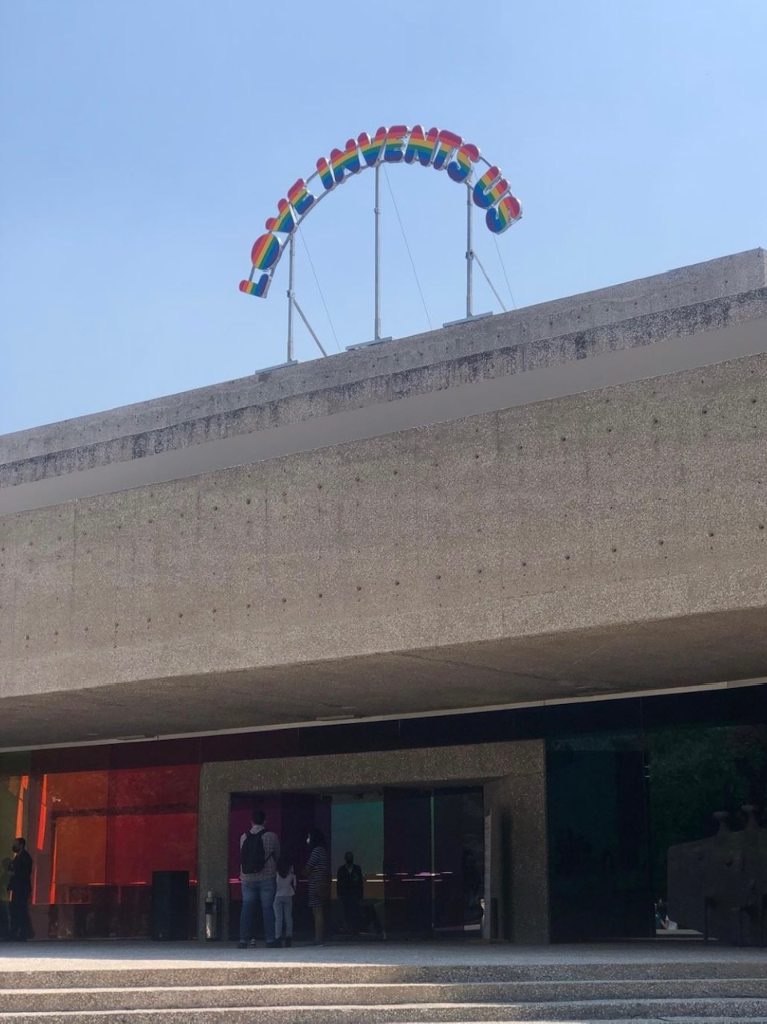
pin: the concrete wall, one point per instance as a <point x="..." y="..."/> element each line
<point x="594" y="516"/>
<point x="639" y="502"/>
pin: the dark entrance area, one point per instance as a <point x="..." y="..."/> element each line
<point x="421" y="851"/>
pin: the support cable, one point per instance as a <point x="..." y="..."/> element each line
<point x="410" y="255"/>
<point x="503" y="268"/>
<point x="309" y="327"/>
<point x="487" y="278"/>
<point x="319" y="289"/>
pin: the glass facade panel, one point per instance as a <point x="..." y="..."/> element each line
<point x="408" y="861"/>
<point x="653" y="804"/>
<point x="14" y="800"/>
<point x="707" y="794"/>
<point x="357" y="827"/>
<point x="459" y="860"/>
<point x="598" y="838"/>
<point x="96" y="838"/>
<point x="658" y="833"/>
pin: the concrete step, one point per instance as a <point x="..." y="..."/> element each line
<point x="602" y="1010"/>
<point x="366" y="994"/>
<point x="287" y="972"/>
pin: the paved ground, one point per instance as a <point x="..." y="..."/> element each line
<point x="80" y="956"/>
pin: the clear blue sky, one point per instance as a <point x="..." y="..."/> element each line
<point x="144" y="142"/>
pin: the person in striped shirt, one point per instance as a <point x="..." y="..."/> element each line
<point x="318" y="877"/>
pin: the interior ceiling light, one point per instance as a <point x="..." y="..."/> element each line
<point x="340" y="717"/>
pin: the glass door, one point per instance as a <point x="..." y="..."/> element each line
<point x="408" y="862"/>
<point x="434" y="850"/>
<point x="459" y="861"/>
<point x="420" y="852"/>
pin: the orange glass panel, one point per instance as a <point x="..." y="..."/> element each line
<point x="23" y="787"/>
<point x="79" y="857"/>
<point x="97" y="836"/>
<point x="42" y="818"/>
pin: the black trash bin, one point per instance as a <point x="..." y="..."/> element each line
<point x="170" y="905"/>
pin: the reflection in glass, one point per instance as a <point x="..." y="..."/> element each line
<point x="421" y="852"/>
<point x="598" y="838"/>
<point x="708" y="788"/>
<point x="659" y="834"/>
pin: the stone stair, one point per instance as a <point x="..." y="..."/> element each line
<point x="296" y="993"/>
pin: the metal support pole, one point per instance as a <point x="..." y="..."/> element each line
<point x="291" y="294"/>
<point x="469" y="258"/>
<point x="377" y="211"/>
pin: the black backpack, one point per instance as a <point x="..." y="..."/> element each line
<point x="253" y="855"/>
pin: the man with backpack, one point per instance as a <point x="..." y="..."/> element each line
<point x="259" y="851"/>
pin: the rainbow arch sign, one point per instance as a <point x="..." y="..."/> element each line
<point x="437" y="148"/>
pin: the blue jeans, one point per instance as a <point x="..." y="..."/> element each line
<point x="262" y="890"/>
<point x="283" y="915"/>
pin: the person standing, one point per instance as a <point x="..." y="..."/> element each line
<point x="5" y="896"/>
<point x="350" y="886"/>
<point x="318" y="877"/>
<point x="20" y="889"/>
<point x="259" y="850"/>
<point x="283" y="901"/>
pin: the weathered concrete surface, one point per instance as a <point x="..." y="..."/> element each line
<point x="684" y="286"/>
<point x="83" y="964"/>
<point x="458" y="372"/>
<point x="607" y="540"/>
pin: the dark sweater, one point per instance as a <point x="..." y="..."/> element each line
<point x="21" y="874"/>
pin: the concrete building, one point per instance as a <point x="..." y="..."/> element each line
<point x="488" y="603"/>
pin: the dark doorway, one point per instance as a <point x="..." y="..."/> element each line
<point x="421" y="851"/>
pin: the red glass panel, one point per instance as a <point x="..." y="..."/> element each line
<point x="164" y="789"/>
<point x="96" y="837"/>
<point x="166" y="842"/>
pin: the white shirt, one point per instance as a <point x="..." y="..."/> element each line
<point x="286" y="886"/>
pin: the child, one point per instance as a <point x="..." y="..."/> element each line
<point x="283" y="900"/>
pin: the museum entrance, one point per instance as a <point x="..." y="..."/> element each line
<point x="420" y="851"/>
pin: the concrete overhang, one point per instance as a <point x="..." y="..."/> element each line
<point x="680" y="653"/>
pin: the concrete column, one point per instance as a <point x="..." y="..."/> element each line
<point x="519" y="888"/>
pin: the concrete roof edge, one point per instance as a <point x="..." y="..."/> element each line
<point x="710" y="279"/>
